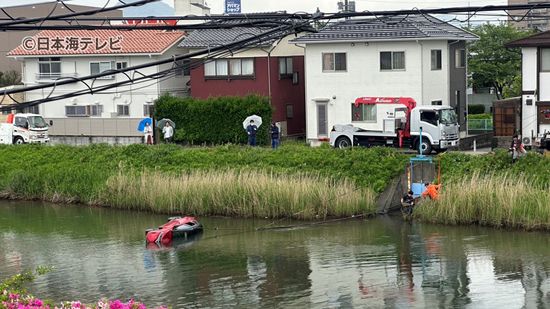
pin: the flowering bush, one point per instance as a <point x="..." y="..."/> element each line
<point x="14" y="296"/>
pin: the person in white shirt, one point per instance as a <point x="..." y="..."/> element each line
<point x="148" y="134"/>
<point x="168" y="132"/>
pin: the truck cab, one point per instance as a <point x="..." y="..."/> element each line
<point x="439" y="126"/>
<point x="24" y="128"/>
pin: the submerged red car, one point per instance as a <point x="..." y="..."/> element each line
<point x="175" y="227"/>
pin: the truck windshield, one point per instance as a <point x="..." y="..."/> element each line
<point x="37" y="122"/>
<point x="447" y="116"/>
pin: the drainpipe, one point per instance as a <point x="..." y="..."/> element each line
<point x="268" y="52"/>
<point x="421" y="70"/>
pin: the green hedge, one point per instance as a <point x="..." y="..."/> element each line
<point x="476" y="109"/>
<point x="215" y="120"/>
<point x="481" y="116"/>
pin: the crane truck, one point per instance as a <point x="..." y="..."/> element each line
<point x="24" y="128"/>
<point x="399" y="123"/>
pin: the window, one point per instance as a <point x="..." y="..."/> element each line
<point x="32" y="110"/>
<point x="231" y="67"/>
<point x="76" y="110"/>
<point x="322" y="121"/>
<point x="429" y="117"/>
<point x="21" y="122"/>
<point x="289" y="111"/>
<point x="99" y="67"/>
<point x="285" y="67"/>
<point x="148" y="109"/>
<point x="436" y="59"/>
<point x="183" y="67"/>
<point x="123" y="110"/>
<point x="49" y="67"/>
<point x="334" y="62"/>
<point x="121" y="65"/>
<point x="6" y="112"/>
<point x="460" y="58"/>
<point x="83" y="110"/>
<point x="96" y="110"/>
<point x="438" y="102"/>
<point x="545" y="59"/>
<point x="392" y="61"/>
<point x="363" y="112"/>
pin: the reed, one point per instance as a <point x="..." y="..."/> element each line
<point x="237" y="193"/>
<point x="499" y="200"/>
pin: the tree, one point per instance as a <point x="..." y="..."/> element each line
<point x="492" y="64"/>
<point x="9" y="78"/>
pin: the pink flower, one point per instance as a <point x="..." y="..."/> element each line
<point x="141" y="306"/>
<point x="117" y="304"/>
<point x="37" y="302"/>
<point x="14" y="296"/>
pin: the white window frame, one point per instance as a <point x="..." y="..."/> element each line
<point x="124" y="106"/>
<point x="362" y="112"/>
<point x="121" y="65"/>
<point x="219" y="63"/>
<point x="392" y="53"/>
<point x="95" y="110"/>
<point x="147" y="109"/>
<point x="459" y="57"/>
<point x="286" y="63"/>
<point x="99" y="63"/>
<point x="49" y="62"/>
<point x="438" y="64"/>
<point x="83" y="108"/>
<point x="332" y="68"/>
<point x="544" y="65"/>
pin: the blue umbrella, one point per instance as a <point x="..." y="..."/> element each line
<point x="143" y="122"/>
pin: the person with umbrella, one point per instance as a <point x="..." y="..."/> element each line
<point x="251" y="130"/>
<point x="168" y="132"/>
<point x="148" y="134"/>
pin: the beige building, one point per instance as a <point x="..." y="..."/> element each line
<point x="11" y="39"/>
<point x="538" y="19"/>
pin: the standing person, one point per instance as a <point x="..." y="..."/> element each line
<point x="168" y="132"/>
<point x="274" y="135"/>
<point x="148" y="134"/>
<point x="517" y="148"/>
<point x="251" y="130"/>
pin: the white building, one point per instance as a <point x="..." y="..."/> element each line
<point x="113" y="115"/>
<point x="419" y="57"/>
<point x="191" y="7"/>
<point x="535" y="101"/>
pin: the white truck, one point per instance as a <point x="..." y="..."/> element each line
<point x="24" y="128"/>
<point x="400" y="122"/>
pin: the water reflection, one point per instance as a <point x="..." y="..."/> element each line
<point x="382" y="262"/>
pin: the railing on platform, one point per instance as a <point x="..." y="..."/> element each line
<point x="477" y="126"/>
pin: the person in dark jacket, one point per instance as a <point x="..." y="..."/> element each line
<point x="274" y="135"/>
<point x="517" y="149"/>
<point x="407" y="203"/>
<point x="251" y="130"/>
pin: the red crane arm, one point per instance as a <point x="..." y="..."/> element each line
<point x="410" y="103"/>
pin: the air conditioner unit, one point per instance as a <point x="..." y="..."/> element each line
<point x="526" y="141"/>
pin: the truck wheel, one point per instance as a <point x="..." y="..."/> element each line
<point x="426" y="147"/>
<point x="342" y="142"/>
<point x="18" y="140"/>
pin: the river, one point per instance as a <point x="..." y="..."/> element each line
<point x="379" y="262"/>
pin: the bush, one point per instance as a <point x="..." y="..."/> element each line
<point x="481" y="116"/>
<point x="476" y="109"/>
<point x="214" y="120"/>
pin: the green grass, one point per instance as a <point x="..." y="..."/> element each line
<point x="86" y="174"/>
<point x="491" y="190"/>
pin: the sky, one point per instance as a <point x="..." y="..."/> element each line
<point x="301" y="5"/>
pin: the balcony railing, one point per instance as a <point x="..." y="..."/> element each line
<point x="477" y="126"/>
<point x="52" y="76"/>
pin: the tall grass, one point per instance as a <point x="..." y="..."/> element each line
<point x="499" y="200"/>
<point x="234" y="193"/>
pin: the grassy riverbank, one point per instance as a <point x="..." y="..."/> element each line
<point x="490" y="190"/>
<point x="294" y="181"/>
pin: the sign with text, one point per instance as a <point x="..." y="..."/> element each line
<point x="232" y="6"/>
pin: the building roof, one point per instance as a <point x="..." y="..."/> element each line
<point x="205" y="38"/>
<point x="539" y="39"/>
<point x="97" y="42"/>
<point x="395" y="28"/>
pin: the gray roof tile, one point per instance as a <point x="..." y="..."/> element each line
<point x="387" y="28"/>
